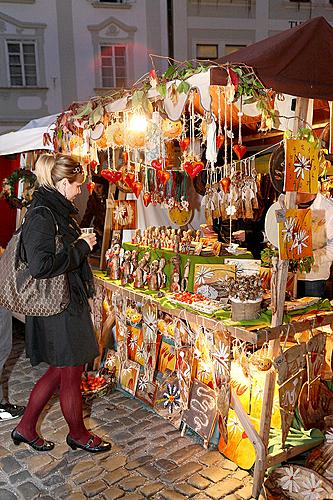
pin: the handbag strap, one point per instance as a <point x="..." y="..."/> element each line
<point x="47" y="208"/>
<point x="21" y="245"/>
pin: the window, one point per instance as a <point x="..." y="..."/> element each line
<point x="22" y="63"/>
<point x="113" y="66"/>
<point x="229" y="49"/>
<point x="207" y="51"/>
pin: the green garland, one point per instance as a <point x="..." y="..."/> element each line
<point x="9" y="184"/>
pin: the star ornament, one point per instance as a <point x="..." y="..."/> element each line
<point x="231" y="210"/>
<point x="302" y="164"/>
<point x="300" y="241"/>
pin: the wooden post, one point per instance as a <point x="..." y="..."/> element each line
<point x="279" y="282"/>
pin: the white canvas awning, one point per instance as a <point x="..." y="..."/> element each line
<point x="29" y="137"/>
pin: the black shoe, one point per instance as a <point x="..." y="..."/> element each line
<point x="18" y="438"/>
<point x="102" y="446"/>
<point x="9" y="411"/>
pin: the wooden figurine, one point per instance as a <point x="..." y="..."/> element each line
<point x="184" y="282"/>
<point x="152" y="277"/>
<point x="136" y="239"/>
<point x="115" y="262"/>
<point x="161" y="276"/>
<point x="126" y="268"/>
<point x="139" y="274"/>
<point x="175" y="274"/>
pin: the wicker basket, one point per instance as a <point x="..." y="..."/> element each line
<point x="104" y="390"/>
<point x="245" y="310"/>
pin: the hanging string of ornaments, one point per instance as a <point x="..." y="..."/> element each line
<point x="141" y="132"/>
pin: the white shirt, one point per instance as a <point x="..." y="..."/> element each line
<point x="322" y="239"/>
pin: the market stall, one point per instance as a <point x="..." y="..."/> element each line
<point x="186" y="320"/>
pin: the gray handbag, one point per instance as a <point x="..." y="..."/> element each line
<point x="20" y="292"/>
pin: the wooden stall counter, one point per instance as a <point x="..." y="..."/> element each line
<point x="179" y="350"/>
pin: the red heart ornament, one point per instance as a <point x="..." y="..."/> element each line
<point x="163" y="176"/>
<point x="240" y="150"/>
<point x="93" y="164"/>
<point x="194" y="168"/>
<point x="107" y="174"/>
<point x="137" y="188"/>
<point x="225" y="184"/>
<point x="128" y="179"/>
<point x="184" y="143"/>
<point x="156" y="164"/>
<point x="90" y="186"/>
<point x="146" y="199"/>
<point x="115" y="176"/>
<point x="220" y="141"/>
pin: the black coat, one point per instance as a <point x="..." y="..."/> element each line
<point x="68" y="338"/>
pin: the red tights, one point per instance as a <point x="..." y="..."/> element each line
<point x="68" y="378"/>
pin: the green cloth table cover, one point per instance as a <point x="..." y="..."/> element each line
<point x="194" y="259"/>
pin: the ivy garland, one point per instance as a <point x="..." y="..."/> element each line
<point x="9" y="184"/>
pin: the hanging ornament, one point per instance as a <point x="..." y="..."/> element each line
<point x="156" y="164"/>
<point x="128" y="178"/>
<point x="136" y="188"/>
<point x="220" y="140"/>
<point x="146" y="198"/>
<point x="184" y="143"/>
<point x="93" y="164"/>
<point x="90" y="186"/>
<point x="193" y="168"/>
<point x="163" y="176"/>
<point x="239" y="150"/>
<point x="225" y="184"/>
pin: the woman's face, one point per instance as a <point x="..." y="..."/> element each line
<point x="70" y="190"/>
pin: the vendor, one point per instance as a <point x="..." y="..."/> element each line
<point x="313" y="284"/>
<point x="96" y="208"/>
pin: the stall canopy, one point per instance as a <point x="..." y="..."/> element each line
<point x="298" y="61"/>
<point x="27" y="138"/>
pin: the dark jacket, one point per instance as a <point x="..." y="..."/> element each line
<point x="95" y="212"/>
<point x="68" y="338"/>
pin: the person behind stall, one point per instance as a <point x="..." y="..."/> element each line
<point x="313" y="284"/>
<point x="96" y="208"/>
<point x="65" y="341"/>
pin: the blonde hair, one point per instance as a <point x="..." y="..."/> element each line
<point x="50" y="169"/>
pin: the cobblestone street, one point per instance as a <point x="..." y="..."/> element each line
<point x="149" y="458"/>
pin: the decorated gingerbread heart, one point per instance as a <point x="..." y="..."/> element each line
<point x="137" y="188"/>
<point x="163" y="176"/>
<point x="146" y="198"/>
<point x="193" y="168"/>
<point x="239" y="150"/>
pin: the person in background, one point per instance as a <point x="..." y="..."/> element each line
<point x="313" y="284"/>
<point x="65" y="341"/>
<point x="96" y="207"/>
<point x="8" y="411"/>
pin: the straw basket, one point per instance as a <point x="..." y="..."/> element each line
<point x="245" y="310"/>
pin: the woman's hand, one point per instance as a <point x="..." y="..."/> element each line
<point x="239" y="235"/>
<point x="90" y="238"/>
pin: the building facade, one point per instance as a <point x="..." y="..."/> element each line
<point x="54" y="52"/>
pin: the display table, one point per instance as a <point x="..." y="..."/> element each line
<point x="194" y="259"/>
<point x="257" y="435"/>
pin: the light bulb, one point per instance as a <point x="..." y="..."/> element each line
<point x="138" y="123"/>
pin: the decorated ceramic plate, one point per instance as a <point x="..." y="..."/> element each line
<point x="180" y="217"/>
<point x="298" y="483"/>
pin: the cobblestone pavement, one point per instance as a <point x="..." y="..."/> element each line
<point x="149" y="458"/>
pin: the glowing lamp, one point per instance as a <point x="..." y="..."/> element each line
<point x="138" y="123"/>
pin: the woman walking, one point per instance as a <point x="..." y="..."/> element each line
<point x="65" y="341"/>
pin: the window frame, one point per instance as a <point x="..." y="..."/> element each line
<point x="114" y="74"/>
<point x="200" y="44"/>
<point x="21" y="43"/>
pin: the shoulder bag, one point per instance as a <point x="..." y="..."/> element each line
<point x="20" y="292"/>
